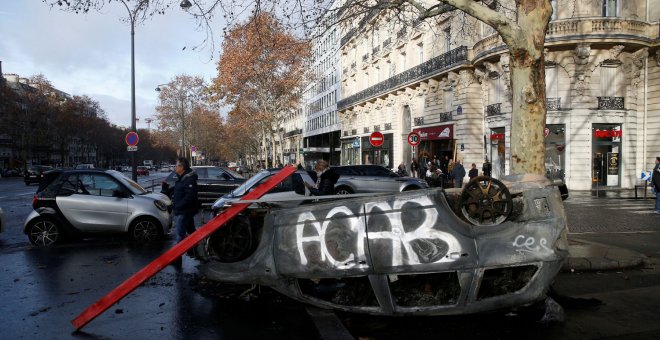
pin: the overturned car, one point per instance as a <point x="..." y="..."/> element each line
<point x="491" y="245"/>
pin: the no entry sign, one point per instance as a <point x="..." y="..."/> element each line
<point x="414" y="138"/>
<point x="132" y="138"/>
<point x="376" y="139"/>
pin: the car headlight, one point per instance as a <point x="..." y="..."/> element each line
<point x="160" y="205"/>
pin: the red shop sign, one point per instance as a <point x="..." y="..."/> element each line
<point x="436" y="132"/>
<point x="496" y="136"/>
<point x="608" y="133"/>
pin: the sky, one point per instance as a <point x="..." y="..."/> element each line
<point x="90" y="54"/>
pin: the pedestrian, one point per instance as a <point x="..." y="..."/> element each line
<point x="444" y="164"/>
<point x="325" y="179"/>
<point x="414" y="168"/>
<point x="185" y="200"/>
<point x="655" y="181"/>
<point x="487" y="168"/>
<point x="401" y="171"/>
<point x="458" y="173"/>
<point x="473" y="171"/>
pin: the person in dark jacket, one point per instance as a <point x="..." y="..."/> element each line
<point x="655" y="180"/>
<point x="473" y="171"/>
<point x="458" y="173"/>
<point x="184" y="197"/>
<point x="325" y="180"/>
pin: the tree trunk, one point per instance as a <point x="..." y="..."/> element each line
<point x="528" y="87"/>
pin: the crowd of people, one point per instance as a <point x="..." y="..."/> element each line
<point x="443" y="173"/>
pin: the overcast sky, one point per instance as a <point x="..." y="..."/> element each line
<point x="90" y="54"/>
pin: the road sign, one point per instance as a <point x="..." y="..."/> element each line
<point x="356" y="142"/>
<point x="376" y="138"/>
<point x="132" y="139"/>
<point x="193" y="148"/>
<point x="414" y="138"/>
<point x="131" y="148"/>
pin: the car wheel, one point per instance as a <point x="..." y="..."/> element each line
<point x="145" y="230"/>
<point x="343" y="191"/>
<point x="485" y="201"/>
<point x="43" y="232"/>
<point x="233" y="242"/>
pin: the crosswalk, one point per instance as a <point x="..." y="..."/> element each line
<point x="634" y="206"/>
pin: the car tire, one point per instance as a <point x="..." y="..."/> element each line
<point x="145" y="230"/>
<point x="344" y="191"/>
<point x="43" y="231"/>
<point x="234" y="242"/>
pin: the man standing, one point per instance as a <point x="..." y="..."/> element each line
<point x="458" y="173"/>
<point x="186" y="204"/>
<point x="473" y="171"/>
<point x="487" y="168"/>
<point x="655" y="180"/>
<point x="325" y="180"/>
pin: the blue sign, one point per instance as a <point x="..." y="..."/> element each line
<point x="459" y="110"/>
<point x="356" y="142"/>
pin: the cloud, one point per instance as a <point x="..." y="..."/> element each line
<point x="90" y="54"/>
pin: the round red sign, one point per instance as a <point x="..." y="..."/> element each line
<point x="414" y="138"/>
<point x="376" y="139"/>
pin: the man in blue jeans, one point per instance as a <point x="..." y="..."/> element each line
<point x="186" y="204"/>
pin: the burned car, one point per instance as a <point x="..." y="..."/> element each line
<point x="491" y="245"/>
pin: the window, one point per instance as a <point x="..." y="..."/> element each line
<point x="449" y="100"/>
<point x="96" y="184"/>
<point x="609" y="80"/>
<point x="551" y="82"/>
<point x="495" y="90"/>
<point x="420" y="52"/>
<point x="402" y="61"/>
<point x="610" y="8"/>
<point x="553" y="3"/>
<point x="447" y="39"/>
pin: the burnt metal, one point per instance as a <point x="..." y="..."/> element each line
<point x="419" y="121"/>
<point x="433" y="66"/>
<point x="486" y="201"/>
<point x="610" y="103"/>
<point x="494" y="109"/>
<point x="410" y="250"/>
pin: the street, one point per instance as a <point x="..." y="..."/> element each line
<point x="44" y="289"/>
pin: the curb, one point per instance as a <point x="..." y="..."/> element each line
<point x="590" y="256"/>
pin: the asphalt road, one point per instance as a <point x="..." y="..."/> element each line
<point x="42" y="290"/>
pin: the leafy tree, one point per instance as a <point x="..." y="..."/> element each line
<point x="261" y="70"/>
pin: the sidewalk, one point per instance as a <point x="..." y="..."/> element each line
<point x="586" y="255"/>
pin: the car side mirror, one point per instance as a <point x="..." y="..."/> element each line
<point x="120" y="194"/>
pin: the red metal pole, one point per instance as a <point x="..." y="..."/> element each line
<point x="159" y="263"/>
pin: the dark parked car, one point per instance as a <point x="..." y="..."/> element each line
<point x="212" y="182"/>
<point x="355" y="179"/>
<point x="35" y="174"/>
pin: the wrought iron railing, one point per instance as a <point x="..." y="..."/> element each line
<point x="610" y="103"/>
<point x="553" y="104"/>
<point x="494" y="109"/>
<point x="354" y="132"/>
<point x="445" y="117"/>
<point x="419" y="121"/>
<point x="376" y="128"/>
<point x="365" y="129"/>
<point x="388" y="126"/>
<point x="345" y="133"/>
<point x="430" y="67"/>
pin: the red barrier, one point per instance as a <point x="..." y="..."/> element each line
<point x="173" y="253"/>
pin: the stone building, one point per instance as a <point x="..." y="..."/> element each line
<point x="448" y="80"/>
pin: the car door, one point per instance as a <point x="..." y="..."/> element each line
<point x="386" y="180"/>
<point x="86" y="200"/>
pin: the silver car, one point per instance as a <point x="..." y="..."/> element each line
<point x="355" y="179"/>
<point x="96" y="202"/>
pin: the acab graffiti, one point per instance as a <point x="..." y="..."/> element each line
<point x="423" y="244"/>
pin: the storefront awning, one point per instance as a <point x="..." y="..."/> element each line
<point x="436" y="132"/>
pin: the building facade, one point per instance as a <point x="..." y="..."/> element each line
<point x="452" y="88"/>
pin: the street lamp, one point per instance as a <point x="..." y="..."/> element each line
<point x="185" y="4"/>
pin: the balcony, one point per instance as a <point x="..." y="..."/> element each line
<point x="494" y="110"/>
<point x="599" y="28"/>
<point x="401" y="33"/>
<point x="354" y="132"/>
<point x="388" y="126"/>
<point x="376" y="128"/>
<point x="293" y="133"/>
<point x="434" y="118"/>
<point x="418" y="121"/>
<point x="553" y="104"/>
<point x="365" y="129"/>
<point x="610" y="103"/>
<point x="429" y="68"/>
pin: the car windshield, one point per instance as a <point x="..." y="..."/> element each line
<point x="132" y="185"/>
<point x="233" y="173"/>
<point x="247" y="185"/>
